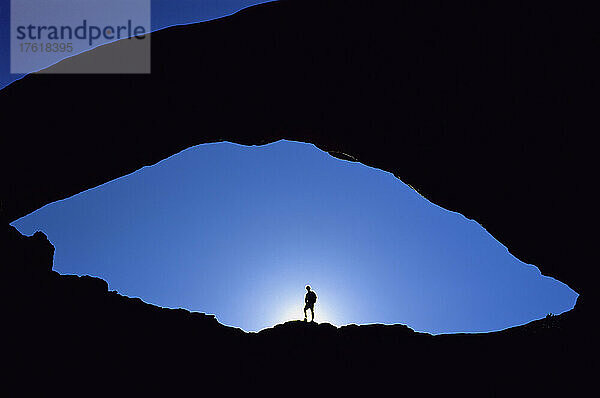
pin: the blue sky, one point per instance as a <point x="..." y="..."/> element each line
<point x="238" y="231"/>
<point x="164" y="13"/>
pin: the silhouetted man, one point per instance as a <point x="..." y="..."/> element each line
<point x="309" y="303"/>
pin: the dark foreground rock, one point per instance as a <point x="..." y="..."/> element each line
<point x="70" y="335"/>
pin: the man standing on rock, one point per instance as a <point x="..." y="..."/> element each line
<point x="309" y="303"/>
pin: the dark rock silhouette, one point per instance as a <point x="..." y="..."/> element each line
<point x="483" y="108"/>
<point x="70" y="334"/>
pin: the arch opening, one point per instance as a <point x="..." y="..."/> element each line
<point x="239" y="231"/>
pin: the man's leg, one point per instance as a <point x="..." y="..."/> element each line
<point x="312" y="314"/>
<point x="305" y="313"/>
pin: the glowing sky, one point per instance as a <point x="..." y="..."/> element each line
<point x="239" y="231"/>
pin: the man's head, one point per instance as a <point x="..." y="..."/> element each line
<point x="308" y="288"/>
